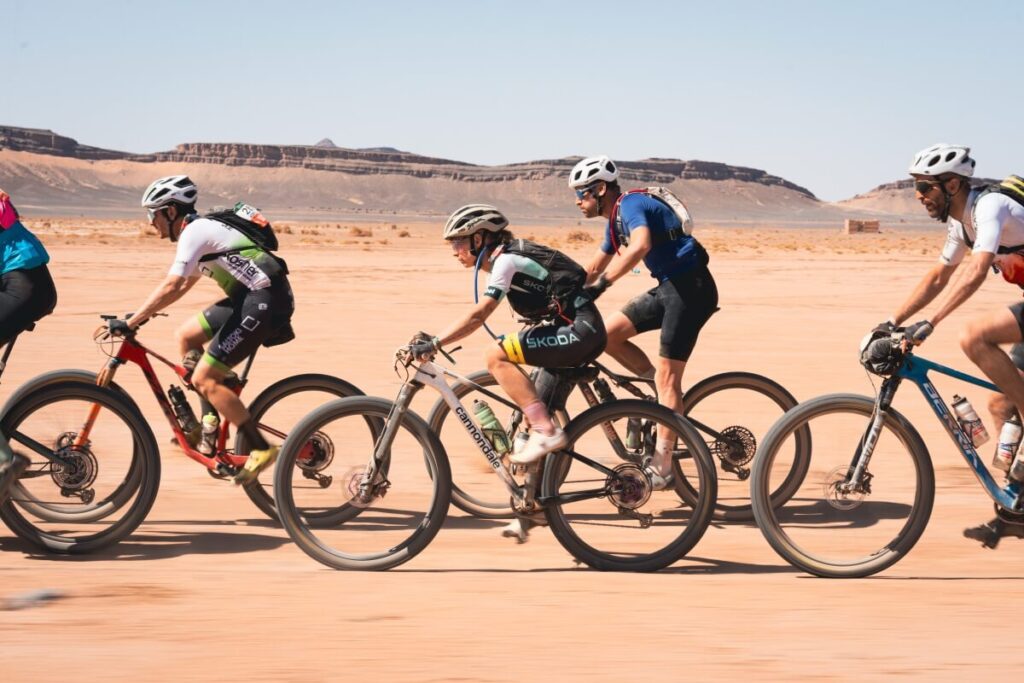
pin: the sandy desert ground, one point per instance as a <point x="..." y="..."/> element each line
<point x="207" y="589"/>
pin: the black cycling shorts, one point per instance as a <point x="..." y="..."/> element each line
<point x="25" y="297"/>
<point x="559" y="345"/>
<point x="679" y="307"/>
<point x="237" y="327"/>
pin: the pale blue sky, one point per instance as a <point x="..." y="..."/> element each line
<point x="833" y="96"/>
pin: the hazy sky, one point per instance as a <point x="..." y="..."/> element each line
<point x="833" y="96"/>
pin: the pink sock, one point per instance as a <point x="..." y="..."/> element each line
<point x="540" y="419"/>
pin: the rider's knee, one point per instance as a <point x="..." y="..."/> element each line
<point x="495" y="356"/>
<point x="972" y="339"/>
<point x="205" y="378"/>
<point x="1000" y="407"/>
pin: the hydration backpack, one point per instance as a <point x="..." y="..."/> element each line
<point x="666" y="197"/>
<point x="1011" y="267"/>
<point x="250" y="222"/>
<point x="566" y="276"/>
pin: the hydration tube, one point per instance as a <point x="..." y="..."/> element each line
<point x="476" y="287"/>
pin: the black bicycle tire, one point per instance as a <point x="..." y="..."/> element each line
<point x="764" y="508"/>
<point x="782" y="398"/>
<point x="145" y="451"/>
<point x="557" y="463"/>
<point x="373" y="409"/>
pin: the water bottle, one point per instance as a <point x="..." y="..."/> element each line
<point x="183" y="411"/>
<point x="1017" y="469"/>
<point x="969" y="420"/>
<point x="633" y="428"/>
<point x="490" y="426"/>
<point x="211" y="428"/>
<point x="1009" y="439"/>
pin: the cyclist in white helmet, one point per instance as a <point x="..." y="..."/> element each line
<point x="258" y="306"/>
<point x="545" y="288"/>
<point x="988" y="223"/>
<point x="640" y="227"/>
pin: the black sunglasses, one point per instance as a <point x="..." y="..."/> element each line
<point x="925" y="186"/>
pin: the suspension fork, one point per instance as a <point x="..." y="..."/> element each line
<point x="372" y="481"/>
<point x="866" y="447"/>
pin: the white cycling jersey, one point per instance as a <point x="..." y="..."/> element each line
<point x="989" y="223"/>
<point x="241" y="264"/>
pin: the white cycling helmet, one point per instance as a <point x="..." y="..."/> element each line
<point x="472" y="218"/>
<point x="175" y="188"/>
<point x="943" y="158"/>
<point x="592" y="169"/>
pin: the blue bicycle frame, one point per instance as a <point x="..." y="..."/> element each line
<point x="916" y="370"/>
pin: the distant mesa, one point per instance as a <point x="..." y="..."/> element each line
<point x="326" y="142"/>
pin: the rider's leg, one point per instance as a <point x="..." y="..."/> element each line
<point x="628" y="354"/>
<point x="547" y="346"/>
<point x="981" y="340"/>
<point x="998" y="405"/>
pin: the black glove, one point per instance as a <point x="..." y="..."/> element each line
<point x="425" y="347"/>
<point x="918" y="332"/>
<point x="118" y="328"/>
<point x="597" y="289"/>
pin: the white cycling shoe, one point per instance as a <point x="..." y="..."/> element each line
<point x="539" y="445"/>
<point x="519" y="528"/>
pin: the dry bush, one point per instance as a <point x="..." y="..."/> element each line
<point x="579" y="237"/>
<point x="382" y="241"/>
<point x="310" y="231"/>
<point x="284" y="229"/>
<point x="356" y="231"/>
<point x="404" y="233"/>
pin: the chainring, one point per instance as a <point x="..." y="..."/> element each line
<point x="628" y="487"/>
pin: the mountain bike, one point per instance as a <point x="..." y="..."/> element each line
<point x="869" y="485"/>
<point x="93" y="453"/>
<point x="396" y="489"/>
<point x="731" y="411"/>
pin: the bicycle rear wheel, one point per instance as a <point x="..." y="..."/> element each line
<point x="829" y="528"/>
<point x="600" y="504"/>
<point x="275" y="411"/>
<point x="97" y="488"/>
<point x="732" y="412"/>
<point x="412" y="489"/>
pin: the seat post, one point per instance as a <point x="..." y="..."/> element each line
<point x="248" y="364"/>
<point x="7" y="354"/>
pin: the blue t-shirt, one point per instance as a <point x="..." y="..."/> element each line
<point x="20" y="249"/>
<point x="664" y="260"/>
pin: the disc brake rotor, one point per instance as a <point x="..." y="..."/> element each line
<point x="837" y="492"/>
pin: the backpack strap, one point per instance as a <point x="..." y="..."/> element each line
<point x="1012" y="187"/>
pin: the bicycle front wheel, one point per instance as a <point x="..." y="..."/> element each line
<point x="732" y="412"/>
<point x="411" y="491"/>
<point x="600" y="503"/>
<point x="94" y="472"/>
<point x="835" y="525"/>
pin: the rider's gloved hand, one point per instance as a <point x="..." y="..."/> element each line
<point x="425" y="349"/>
<point x="597" y="289"/>
<point x="118" y="328"/>
<point x="918" y="332"/>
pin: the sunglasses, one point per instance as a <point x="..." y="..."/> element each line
<point x="924" y="186"/>
<point x="582" y="194"/>
<point x="458" y="243"/>
<point x="152" y="214"/>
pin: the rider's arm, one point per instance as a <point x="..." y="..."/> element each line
<point x="967" y="284"/>
<point x="471" y="323"/>
<point x="597" y="265"/>
<point x="170" y="290"/>
<point x="639" y="245"/>
<point x="934" y="281"/>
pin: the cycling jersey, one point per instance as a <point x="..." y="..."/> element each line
<point x="540" y="282"/>
<point x="211" y="248"/>
<point x="19" y="248"/>
<point x="664" y="260"/>
<point x="991" y="222"/>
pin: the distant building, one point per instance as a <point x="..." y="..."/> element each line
<point x="854" y="226"/>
